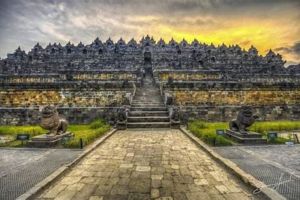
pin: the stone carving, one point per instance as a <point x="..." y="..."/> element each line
<point x="122" y="118"/>
<point x="168" y="99"/>
<point x="122" y="114"/>
<point x="174" y="117"/>
<point x="52" y="121"/>
<point x="244" y="120"/>
<point x="174" y="114"/>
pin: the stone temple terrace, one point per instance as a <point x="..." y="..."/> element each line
<point x="203" y="80"/>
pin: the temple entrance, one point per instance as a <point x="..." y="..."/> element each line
<point x="148" y="63"/>
<point x="147" y="57"/>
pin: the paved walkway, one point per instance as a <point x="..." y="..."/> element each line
<point x="21" y="169"/>
<point x="276" y="165"/>
<point x="137" y="164"/>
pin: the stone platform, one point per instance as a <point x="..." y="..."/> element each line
<point x="46" y="141"/>
<point x="249" y="138"/>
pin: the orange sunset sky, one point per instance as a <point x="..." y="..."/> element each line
<point x="266" y="24"/>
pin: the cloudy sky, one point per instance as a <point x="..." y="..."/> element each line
<point x="263" y="23"/>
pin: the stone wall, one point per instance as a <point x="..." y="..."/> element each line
<point x="188" y="76"/>
<point x="223" y="105"/>
<point x="113" y="75"/>
<point x="227" y="113"/>
<point x="31" y="116"/>
<point x="236" y="97"/>
<point x="62" y="97"/>
<point x="207" y="96"/>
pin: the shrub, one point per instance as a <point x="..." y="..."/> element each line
<point x="14" y="130"/>
<point x="88" y="133"/>
<point x="97" y="124"/>
<point x="264" y="127"/>
<point x="222" y="141"/>
<point x="207" y="132"/>
<point x="278" y="140"/>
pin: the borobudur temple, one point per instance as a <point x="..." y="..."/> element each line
<point x="88" y="81"/>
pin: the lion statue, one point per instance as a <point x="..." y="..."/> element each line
<point x="52" y="121"/>
<point x="244" y="120"/>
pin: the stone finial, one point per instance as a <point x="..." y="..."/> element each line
<point x="270" y="53"/>
<point x="121" y="41"/>
<point x="252" y="50"/>
<point x="80" y="45"/>
<point x="109" y="42"/>
<point x="161" y="42"/>
<point x="132" y="42"/>
<point x="183" y="43"/>
<point x="195" y="43"/>
<point x="172" y="42"/>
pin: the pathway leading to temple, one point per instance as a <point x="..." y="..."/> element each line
<point x="142" y="164"/>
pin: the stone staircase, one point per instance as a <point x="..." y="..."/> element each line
<point x="147" y="108"/>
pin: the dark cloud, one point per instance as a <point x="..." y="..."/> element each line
<point x="294" y="49"/>
<point x="26" y="22"/>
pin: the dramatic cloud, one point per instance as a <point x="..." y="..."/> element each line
<point x="295" y="49"/>
<point x="293" y="52"/>
<point x="263" y="23"/>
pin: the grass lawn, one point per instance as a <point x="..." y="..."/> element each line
<point x="207" y="130"/>
<point x="87" y="132"/>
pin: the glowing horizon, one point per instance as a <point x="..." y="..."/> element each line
<point x="264" y="24"/>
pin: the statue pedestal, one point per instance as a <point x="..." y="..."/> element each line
<point x="249" y="138"/>
<point x="175" y="124"/>
<point x="121" y="125"/>
<point x="46" y="141"/>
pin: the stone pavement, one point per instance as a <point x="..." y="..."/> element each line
<point x="147" y="164"/>
<point x="22" y="168"/>
<point x="274" y="165"/>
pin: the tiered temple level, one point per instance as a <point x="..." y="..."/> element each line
<point x="55" y="58"/>
<point x="207" y="81"/>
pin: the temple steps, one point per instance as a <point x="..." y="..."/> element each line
<point x="148" y="113"/>
<point x="148" y="125"/>
<point x="138" y="105"/>
<point x="148" y="119"/>
<point x="148" y="109"/>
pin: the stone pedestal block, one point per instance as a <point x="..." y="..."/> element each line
<point x="46" y="141"/>
<point x="247" y="138"/>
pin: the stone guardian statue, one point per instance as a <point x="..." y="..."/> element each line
<point x="244" y="120"/>
<point x="52" y="121"/>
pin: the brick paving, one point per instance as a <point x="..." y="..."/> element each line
<point x="22" y="168"/>
<point x="274" y="165"/>
<point x="147" y="164"/>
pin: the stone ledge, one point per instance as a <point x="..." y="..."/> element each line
<point x="232" y="167"/>
<point x="34" y="191"/>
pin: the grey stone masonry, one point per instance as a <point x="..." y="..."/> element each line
<point x="98" y="55"/>
<point x="137" y="164"/>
